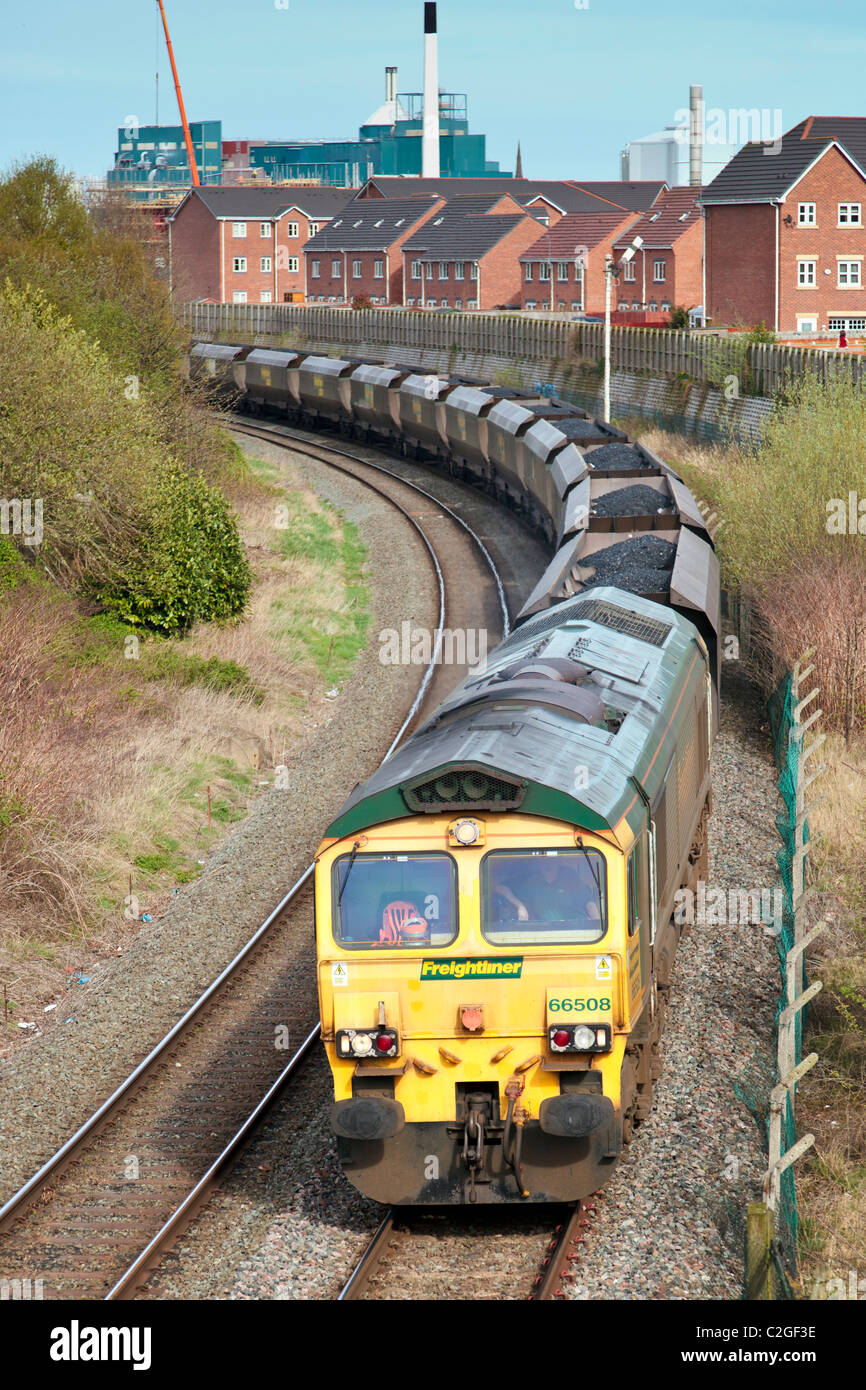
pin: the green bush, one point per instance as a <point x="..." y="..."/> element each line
<point x="192" y="566"/>
<point x="10" y="565"/>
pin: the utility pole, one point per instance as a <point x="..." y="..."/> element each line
<point x="612" y="272"/>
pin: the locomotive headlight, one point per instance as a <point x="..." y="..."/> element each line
<point x="466" y="832"/>
<point x="362" y="1044"/>
<point x="584" y="1038"/>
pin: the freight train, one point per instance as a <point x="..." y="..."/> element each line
<point x="495" y="905"/>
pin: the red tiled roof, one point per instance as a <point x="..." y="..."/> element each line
<point x="673" y="214"/>
<point x="577" y="229"/>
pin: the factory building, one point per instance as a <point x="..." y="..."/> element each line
<point x="153" y="157"/>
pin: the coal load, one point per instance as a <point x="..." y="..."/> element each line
<point x="637" y="500"/>
<point x="616" y="456"/>
<point x="577" y="429"/>
<point x="641" y="565"/>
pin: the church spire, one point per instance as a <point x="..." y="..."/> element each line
<point x="518" y="168"/>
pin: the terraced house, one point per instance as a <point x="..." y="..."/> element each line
<point x="359" y="254"/>
<point x="466" y="256"/>
<point x="564" y="267"/>
<point x="668" y="269"/>
<point x="785" y="231"/>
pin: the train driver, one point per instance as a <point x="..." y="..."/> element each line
<point x="546" y="888"/>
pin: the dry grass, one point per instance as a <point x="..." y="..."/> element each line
<point x="106" y="763"/>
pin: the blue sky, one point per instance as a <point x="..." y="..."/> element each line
<point x="573" y="84"/>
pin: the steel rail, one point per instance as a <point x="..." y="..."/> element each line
<point x="369" y="1261"/>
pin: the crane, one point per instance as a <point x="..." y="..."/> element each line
<point x="190" y="152"/>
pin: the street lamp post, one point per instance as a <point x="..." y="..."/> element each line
<point x="612" y="272"/>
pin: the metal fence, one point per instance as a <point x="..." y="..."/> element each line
<point x="722" y="360"/>
<point x="772" y="1223"/>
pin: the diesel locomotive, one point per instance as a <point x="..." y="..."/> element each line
<point x="495" y="905"/>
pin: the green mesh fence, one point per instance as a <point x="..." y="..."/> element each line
<point x="787" y="750"/>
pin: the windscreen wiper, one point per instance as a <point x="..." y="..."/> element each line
<point x="356" y="846"/>
<point x="594" y="873"/>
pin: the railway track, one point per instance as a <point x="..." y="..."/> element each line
<point x="102" y="1212"/>
<point x="397" y="1245"/>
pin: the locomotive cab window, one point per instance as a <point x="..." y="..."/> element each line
<point x="543" y="897"/>
<point x="394" y="900"/>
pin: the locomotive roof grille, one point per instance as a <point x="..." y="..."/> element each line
<point x="636" y="625"/>
<point x="463" y="789"/>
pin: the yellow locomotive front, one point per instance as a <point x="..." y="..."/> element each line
<point x="479" y="978"/>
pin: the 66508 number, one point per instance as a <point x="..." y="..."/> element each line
<point x="579" y="1006"/>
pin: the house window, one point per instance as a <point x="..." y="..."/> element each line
<point x="332" y="299"/>
<point x="659" y="271"/>
<point x="666" y="308"/>
<point x="432" y="303"/>
<point x="266" y="296"/>
<point x="321" y="299"/>
<point x="265" y="229"/>
<point x="443" y="270"/>
<point x="806" y="215"/>
<point x="335" y="269"/>
<point x="266" y="265"/>
<point x="850" y="325"/>
<point x="314" y="227"/>
<point x="239" y="229"/>
<point x="560" y="303"/>
<point x="239" y="297"/>
<point x="294" y="265"/>
<point x="416" y="270"/>
<point x="529" y="270"/>
<point x="292" y="229"/>
<point x="444" y="303"/>
<point x="635" y="304"/>
<point x="806" y="272"/>
<point x="458" y="304"/>
<point x="411" y="302"/>
<point x="562" y="272"/>
<point x="630" y="272"/>
<point x="239" y="264"/>
<point x="429" y="270"/>
<point x="379" y="270"/>
<point x="849" y="215"/>
<point x="575" y="304"/>
<point x="473" y="275"/>
<point x="314" y="269"/>
<point x="530" y="303"/>
<point x="473" y="304"/>
<point x="544" y="270"/>
<point x="458" y="273"/>
<point x="849" y="273"/>
<point x="356" y="270"/>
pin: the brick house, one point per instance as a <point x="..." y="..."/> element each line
<point x="552" y="276"/>
<point x="245" y="245"/>
<point x="785" y="238"/>
<point x="668" y="268"/>
<point x="467" y="255"/>
<point x="360" y="253"/>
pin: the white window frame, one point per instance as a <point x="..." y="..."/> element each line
<point x="849" y="282"/>
<point x="544" y="270"/>
<point x="292" y="230"/>
<point x="239" y="265"/>
<point x="630" y="271"/>
<point x="848" y="220"/>
<point x="458" y="270"/>
<point x="267" y="297"/>
<point x="336" y="268"/>
<point x="315" y="270"/>
<point x="807" y="273"/>
<point x="429" y="270"/>
<point x="294" y="265"/>
<point x="473" y="271"/>
<point x="378" y="270"/>
<point x="314" y="229"/>
<point x="660" y="272"/>
<point x="239" y="229"/>
<point x="357" y="269"/>
<point x="267" y="264"/>
<point x="265" y="230"/>
<point x="239" y="297"/>
<point x="528" y="276"/>
<point x="562" y="270"/>
<point x="416" y="270"/>
<point x="530" y="303"/>
<point x="443" y="270"/>
<point x="806" y="215"/>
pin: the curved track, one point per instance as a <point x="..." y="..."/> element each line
<point x="99" y="1215"/>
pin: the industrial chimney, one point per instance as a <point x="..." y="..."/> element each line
<point x="696" y="136"/>
<point x="430" y="138"/>
<point x="391" y="84"/>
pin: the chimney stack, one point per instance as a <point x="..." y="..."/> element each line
<point x="430" y="138"/>
<point x="390" y="84"/>
<point x="696" y="135"/>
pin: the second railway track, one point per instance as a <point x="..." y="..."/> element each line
<point x="99" y="1215"/>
